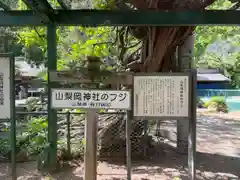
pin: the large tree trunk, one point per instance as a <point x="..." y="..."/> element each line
<point x="157" y="53"/>
<point x="162" y="44"/>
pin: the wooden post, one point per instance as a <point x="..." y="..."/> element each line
<point x="90" y="155"/>
<point x="128" y="143"/>
<point x="52" y="114"/>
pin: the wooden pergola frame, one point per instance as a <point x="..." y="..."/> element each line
<point x="41" y="13"/>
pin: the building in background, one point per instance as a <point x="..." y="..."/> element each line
<point x="212" y="79"/>
<point x="27" y="78"/>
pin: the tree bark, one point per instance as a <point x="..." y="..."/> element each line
<point x="157" y="56"/>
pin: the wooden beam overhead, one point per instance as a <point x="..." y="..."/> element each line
<point x="121" y="18"/>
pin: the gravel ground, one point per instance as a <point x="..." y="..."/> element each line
<point x="218" y="157"/>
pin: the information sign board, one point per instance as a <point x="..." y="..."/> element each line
<point x="161" y="96"/>
<point x="94" y="99"/>
<point x="5" y="88"/>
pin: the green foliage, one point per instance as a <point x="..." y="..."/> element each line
<point x="35" y="44"/>
<point x="32" y="143"/>
<point x="105" y="4"/>
<point x="214" y="99"/>
<point x="9" y="41"/>
<point x="29" y="143"/>
<point x="218" y="104"/>
<point x="5" y="148"/>
<point x="35" y="138"/>
<point x="21" y="5"/>
<point x="35" y="36"/>
<point x="81" y="42"/>
<point x="229" y="64"/>
<point x="75" y="43"/>
<point x="35" y="39"/>
<point x="34" y="104"/>
<point x="200" y="103"/>
<point x="206" y="35"/>
<point x="233" y="69"/>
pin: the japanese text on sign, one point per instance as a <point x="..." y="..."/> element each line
<point x="4" y="88"/>
<point x="161" y="96"/>
<point x="96" y="99"/>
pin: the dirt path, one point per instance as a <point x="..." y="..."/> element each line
<point x="218" y="157"/>
<point x="228" y="116"/>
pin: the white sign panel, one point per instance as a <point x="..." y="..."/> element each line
<point x="5" y="112"/>
<point x="95" y="99"/>
<point x="161" y="96"/>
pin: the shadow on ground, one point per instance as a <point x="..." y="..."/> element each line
<point x="209" y="166"/>
<point x="218" y="157"/>
<point x="27" y="171"/>
<point x="167" y="166"/>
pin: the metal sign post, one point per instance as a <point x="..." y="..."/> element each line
<point x="168" y="96"/>
<point x="7" y="101"/>
<point x="192" y="128"/>
<point x="129" y="119"/>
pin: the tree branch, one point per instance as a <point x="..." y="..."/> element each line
<point x="235" y="6"/>
<point x="39" y="35"/>
<point x="134" y="45"/>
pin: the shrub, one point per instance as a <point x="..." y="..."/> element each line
<point x="200" y="103"/>
<point x="34" y="104"/>
<point x="217" y="104"/>
<point x="5" y="149"/>
<point x="32" y="143"/>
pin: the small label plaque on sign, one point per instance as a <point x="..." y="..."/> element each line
<point x="161" y="96"/>
<point x="90" y="99"/>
